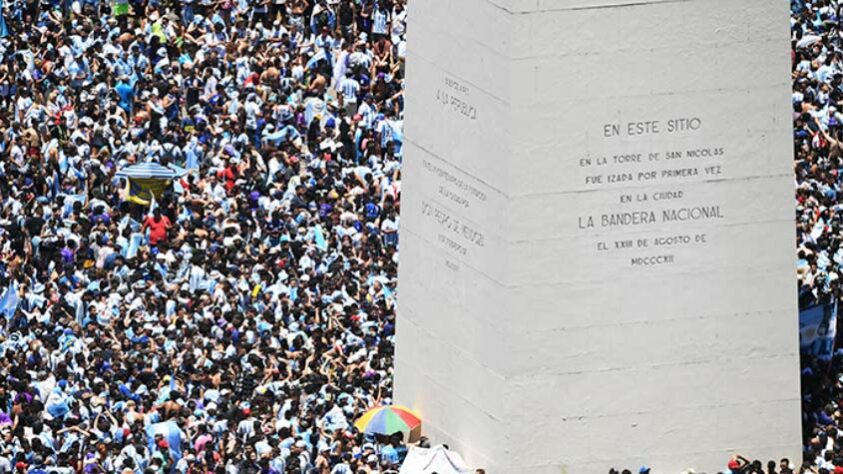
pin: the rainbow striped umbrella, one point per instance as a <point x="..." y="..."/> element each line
<point x="388" y="420"/>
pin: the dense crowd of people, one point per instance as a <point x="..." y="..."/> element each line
<point x="817" y="51"/>
<point x="243" y="318"/>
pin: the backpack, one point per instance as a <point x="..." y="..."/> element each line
<point x="168" y="154"/>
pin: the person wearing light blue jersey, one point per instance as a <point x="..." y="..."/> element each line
<point x="381" y="21"/>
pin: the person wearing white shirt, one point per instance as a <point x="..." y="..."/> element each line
<point x="348" y="90"/>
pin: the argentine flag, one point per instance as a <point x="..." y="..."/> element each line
<point x="171" y="432"/>
<point x="318" y="56"/>
<point x="319" y="239"/>
<point x="4" y="31"/>
<point x="10" y="300"/>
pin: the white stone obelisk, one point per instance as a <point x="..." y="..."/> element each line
<point x="597" y="239"/>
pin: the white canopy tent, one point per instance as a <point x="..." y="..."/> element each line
<point x="436" y="460"/>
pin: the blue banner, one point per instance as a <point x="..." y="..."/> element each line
<point x="817" y="330"/>
<point x="4" y="30"/>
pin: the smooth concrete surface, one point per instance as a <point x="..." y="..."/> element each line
<point x="597" y="252"/>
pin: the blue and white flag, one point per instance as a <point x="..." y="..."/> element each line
<point x="318" y="56"/>
<point x="135" y="241"/>
<point x="81" y="312"/>
<point x="818" y="330"/>
<point x="55" y="182"/>
<point x="171" y="432"/>
<point x="191" y="158"/>
<point x="4" y="30"/>
<point x="312" y="108"/>
<point x="319" y="239"/>
<point x="287" y="133"/>
<point x="9" y="301"/>
<point x="57" y="403"/>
